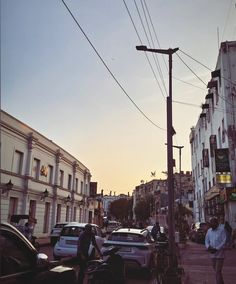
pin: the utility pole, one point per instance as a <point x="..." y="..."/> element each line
<point x="180" y="148"/>
<point x="172" y="274"/>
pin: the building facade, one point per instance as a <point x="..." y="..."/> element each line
<point x="213" y="141"/>
<point x="158" y="190"/>
<point x="40" y="179"/>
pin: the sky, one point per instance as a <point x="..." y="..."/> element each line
<point x="76" y="77"/>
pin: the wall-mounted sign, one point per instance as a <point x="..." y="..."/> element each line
<point x="231" y="194"/>
<point x="44" y="171"/>
<point x="222" y="160"/>
<point x="224" y="178"/>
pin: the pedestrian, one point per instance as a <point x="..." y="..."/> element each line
<point x="215" y="241"/>
<point x="86" y="238"/>
<point x="155" y="231"/>
<point x="228" y="230"/>
<point x="28" y="231"/>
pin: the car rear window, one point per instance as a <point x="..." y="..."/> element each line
<point x="71" y="231"/>
<point x="59" y="225"/>
<point x="126" y="237"/>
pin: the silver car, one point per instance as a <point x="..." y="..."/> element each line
<point x="66" y="245"/>
<point x="56" y="231"/>
<point x="137" y="247"/>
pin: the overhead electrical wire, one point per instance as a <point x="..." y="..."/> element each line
<point x="108" y="69"/>
<point x="153" y="45"/>
<point x="191" y="69"/>
<point x="137" y="33"/>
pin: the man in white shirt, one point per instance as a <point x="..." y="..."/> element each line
<point x="215" y="242"/>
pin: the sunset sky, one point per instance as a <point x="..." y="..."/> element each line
<point x="81" y="82"/>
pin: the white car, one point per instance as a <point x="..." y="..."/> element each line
<point x="56" y="231"/>
<point x="137" y="247"/>
<point x="66" y="245"/>
<point x="112" y="225"/>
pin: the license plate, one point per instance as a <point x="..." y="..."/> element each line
<point x="125" y="249"/>
<point x="71" y="242"/>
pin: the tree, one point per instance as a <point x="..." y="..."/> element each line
<point x="121" y="209"/>
<point x="144" y="208"/>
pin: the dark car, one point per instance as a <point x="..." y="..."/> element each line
<point x="21" y="263"/>
<point x="198" y="232"/>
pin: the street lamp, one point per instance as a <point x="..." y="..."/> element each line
<point x="171" y="222"/>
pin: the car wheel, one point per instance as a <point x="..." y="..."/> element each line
<point x="56" y="257"/>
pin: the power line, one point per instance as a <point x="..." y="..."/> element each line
<point x="154" y="74"/>
<point x="153" y="45"/>
<point x="191" y="70"/>
<point x="108" y="69"/>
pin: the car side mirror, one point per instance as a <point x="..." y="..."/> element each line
<point x="42" y="259"/>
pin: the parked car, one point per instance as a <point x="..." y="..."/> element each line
<point x="66" y="245"/>
<point x="21" y="263"/>
<point x="137" y="247"/>
<point x="56" y="231"/>
<point x="198" y="232"/>
<point x="112" y="225"/>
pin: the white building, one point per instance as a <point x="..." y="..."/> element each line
<point x="213" y="142"/>
<point x="40" y="179"/>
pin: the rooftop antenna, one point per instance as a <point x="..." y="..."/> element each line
<point x="218" y="38"/>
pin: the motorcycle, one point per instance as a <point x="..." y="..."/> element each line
<point x="111" y="270"/>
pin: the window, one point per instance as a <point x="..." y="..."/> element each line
<point x="219" y="138"/>
<point x="18" y="162"/>
<point x="67" y="213"/>
<point x="58" y="217"/>
<point x="61" y="177"/>
<point x="69" y="181"/>
<point x="46" y="217"/>
<point x="81" y="187"/>
<point x="74" y="214"/>
<point x="32" y="208"/>
<point x="36" y="168"/>
<point x="50" y="175"/>
<point x="76" y="185"/>
<point x="13" y="204"/>
<point x="223" y="130"/>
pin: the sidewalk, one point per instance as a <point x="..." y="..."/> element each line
<point x="45" y="241"/>
<point x="197" y="265"/>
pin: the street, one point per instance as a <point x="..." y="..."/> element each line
<point x="193" y="258"/>
<point x="133" y="277"/>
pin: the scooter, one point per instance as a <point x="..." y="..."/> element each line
<point x="111" y="270"/>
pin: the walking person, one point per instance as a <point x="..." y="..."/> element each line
<point x="155" y="231"/>
<point x="215" y="242"/>
<point x="228" y="230"/>
<point x="86" y="238"/>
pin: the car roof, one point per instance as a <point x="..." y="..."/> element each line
<point x="130" y="231"/>
<point x="77" y="224"/>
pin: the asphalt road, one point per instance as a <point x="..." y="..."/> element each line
<point x="133" y="277"/>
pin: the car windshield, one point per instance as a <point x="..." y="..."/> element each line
<point x="126" y="237"/>
<point x="71" y="231"/>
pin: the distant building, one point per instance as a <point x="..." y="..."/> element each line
<point x="213" y="143"/>
<point x="158" y="188"/>
<point x="40" y="179"/>
<point x="108" y="199"/>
